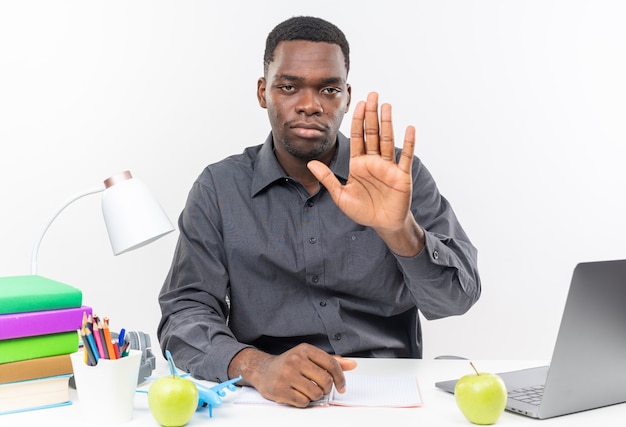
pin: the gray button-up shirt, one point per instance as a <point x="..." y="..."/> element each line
<point x="297" y="269"/>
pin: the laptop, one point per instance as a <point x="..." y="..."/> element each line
<point x="588" y="365"/>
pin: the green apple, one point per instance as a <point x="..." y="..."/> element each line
<point x="172" y="400"/>
<point x="481" y="397"/>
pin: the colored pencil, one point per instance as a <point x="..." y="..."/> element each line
<point x="107" y="338"/>
<point x="98" y="342"/>
<point x="97" y="334"/>
<point x="92" y="345"/>
<point x="90" y="358"/>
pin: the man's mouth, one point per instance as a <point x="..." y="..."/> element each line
<point x="307" y="130"/>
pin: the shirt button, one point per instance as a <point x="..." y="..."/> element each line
<point x="436" y="254"/>
<point x="338" y="336"/>
<point x="322" y="303"/>
<point x="316" y="279"/>
<point x="312" y="240"/>
<point x="310" y="203"/>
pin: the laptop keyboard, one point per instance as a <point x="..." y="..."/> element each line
<point x="530" y="395"/>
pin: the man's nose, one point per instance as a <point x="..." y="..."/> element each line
<point x="309" y="103"/>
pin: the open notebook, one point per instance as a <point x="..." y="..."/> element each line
<point x="361" y="390"/>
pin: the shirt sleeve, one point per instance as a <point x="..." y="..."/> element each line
<point x="443" y="278"/>
<point x="193" y="299"/>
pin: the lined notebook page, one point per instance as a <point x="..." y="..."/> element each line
<point x="361" y="390"/>
<point x="375" y="390"/>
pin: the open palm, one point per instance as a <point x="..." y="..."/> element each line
<point x="378" y="190"/>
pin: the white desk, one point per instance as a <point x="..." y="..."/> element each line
<point x="439" y="407"/>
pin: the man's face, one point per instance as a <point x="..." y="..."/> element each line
<point x="306" y="96"/>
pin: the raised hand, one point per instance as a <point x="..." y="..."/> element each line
<point x="378" y="191"/>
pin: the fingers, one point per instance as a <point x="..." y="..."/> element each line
<point x="307" y="391"/>
<point x="368" y="135"/>
<point x="328" y="370"/>
<point x="364" y="130"/>
<point x="325" y="371"/>
<point x="325" y="176"/>
<point x="408" y="148"/>
<point x="357" y="139"/>
<point x="345" y="364"/>
<point x="387" y="148"/>
<point x="371" y="124"/>
<point x="301" y="375"/>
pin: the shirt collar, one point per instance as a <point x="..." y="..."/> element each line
<point x="267" y="170"/>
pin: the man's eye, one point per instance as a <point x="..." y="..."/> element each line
<point x="287" y="88"/>
<point x="330" y="90"/>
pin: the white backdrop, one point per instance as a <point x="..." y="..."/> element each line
<point x="519" y="107"/>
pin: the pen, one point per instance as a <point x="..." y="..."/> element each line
<point x="125" y="349"/>
<point x="120" y="339"/>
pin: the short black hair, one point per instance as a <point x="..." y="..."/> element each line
<point x="307" y="28"/>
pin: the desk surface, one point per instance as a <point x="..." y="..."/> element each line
<point x="439" y="407"/>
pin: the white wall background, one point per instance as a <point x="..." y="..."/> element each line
<point x="520" y="111"/>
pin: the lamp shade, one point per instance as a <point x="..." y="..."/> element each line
<point x="132" y="215"/>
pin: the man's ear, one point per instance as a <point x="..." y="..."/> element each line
<point x="260" y="92"/>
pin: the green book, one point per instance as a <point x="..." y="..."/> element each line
<point x="26" y="348"/>
<point x="19" y="294"/>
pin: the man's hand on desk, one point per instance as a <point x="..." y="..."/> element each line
<point x="297" y="377"/>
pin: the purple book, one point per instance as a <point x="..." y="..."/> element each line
<point x="19" y="325"/>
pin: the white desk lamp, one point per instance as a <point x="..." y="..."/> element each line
<point x="133" y="216"/>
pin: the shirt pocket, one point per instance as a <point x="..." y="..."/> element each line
<point x="367" y="258"/>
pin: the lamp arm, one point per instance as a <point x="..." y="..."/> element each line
<point x="94" y="190"/>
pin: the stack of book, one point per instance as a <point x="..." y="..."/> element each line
<point x="39" y="323"/>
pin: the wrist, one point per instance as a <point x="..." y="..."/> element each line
<point x="247" y="363"/>
<point x="407" y="241"/>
